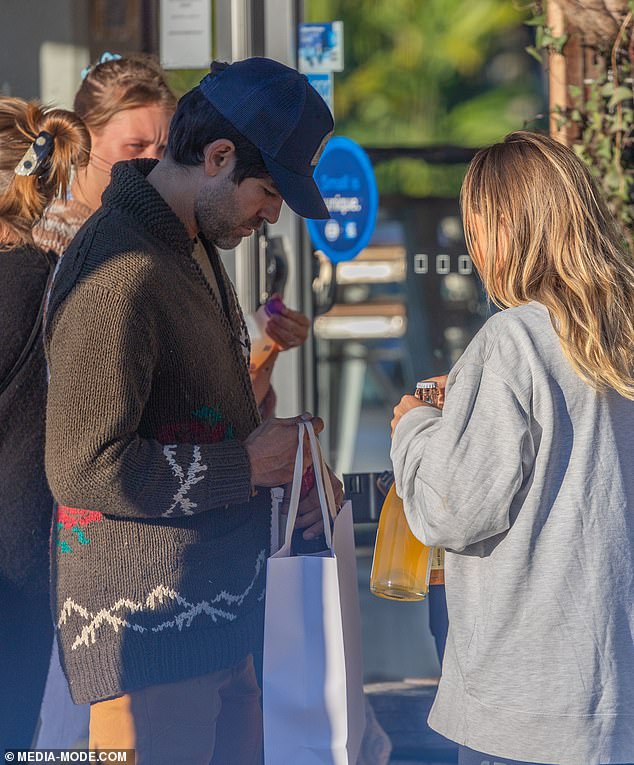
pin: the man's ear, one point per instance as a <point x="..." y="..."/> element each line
<point x="219" y="156"/>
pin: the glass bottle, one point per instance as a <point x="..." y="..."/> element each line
<point x="401" y="567"/>
<point x="428" y="391"/>
<point x="401" y="563"/>
<point x="262" y="346"/>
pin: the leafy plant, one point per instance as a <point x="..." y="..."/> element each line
<point x="600" y="113"/>
<point x="544" y="37"/>
<point x="427" y="73"/>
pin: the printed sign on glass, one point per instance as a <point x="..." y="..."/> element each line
<point x="322" y="82"/>
<point x="345" y="178"/>
<point x="185" y="34"/>
<point x="320" y="47"/>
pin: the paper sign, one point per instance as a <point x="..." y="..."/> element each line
<point x="321" y="47"/>
<point x="185" y="34"/>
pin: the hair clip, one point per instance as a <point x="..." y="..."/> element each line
<point x="35" y="155"/>
<point x="105" y="56"/>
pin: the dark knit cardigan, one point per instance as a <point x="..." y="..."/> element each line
<point x="26" y="504"/>
<point x="160" y="550"/>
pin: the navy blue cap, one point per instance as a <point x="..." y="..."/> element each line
<point x="277" y="109"/>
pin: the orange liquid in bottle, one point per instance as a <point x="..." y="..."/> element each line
<point x="401" y="564"/>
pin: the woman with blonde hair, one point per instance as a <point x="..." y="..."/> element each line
<point x="526" y="476"/>
<point x="38" y="149"/>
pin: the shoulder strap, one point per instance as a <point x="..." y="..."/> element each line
<point x="35" y="332"/>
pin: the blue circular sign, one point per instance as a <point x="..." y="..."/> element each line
<point x="345" y="178"/>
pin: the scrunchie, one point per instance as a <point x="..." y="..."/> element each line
<point x="105" y="56"/>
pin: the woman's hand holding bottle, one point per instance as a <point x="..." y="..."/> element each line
<point x="408" y="402"/>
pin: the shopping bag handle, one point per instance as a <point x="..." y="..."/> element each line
<point x="322" y="483"/>
<point x="319" y="465"/>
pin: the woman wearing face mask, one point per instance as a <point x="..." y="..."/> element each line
<point x="38" y="149"/>
<point x="127" y="106"/>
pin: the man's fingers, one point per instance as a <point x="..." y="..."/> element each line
<point x="288" y="330"/>
<point x="290" y="318"/>
<point x="272" y="447"/>
<point x="314" y="530"/>
<point x="283" y="337"/>
<point x="318" y="424"/>
<point x="296" y="317"/>
<point x="308" y="519"/>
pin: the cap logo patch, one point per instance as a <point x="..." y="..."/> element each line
<point x="320" y="150"/>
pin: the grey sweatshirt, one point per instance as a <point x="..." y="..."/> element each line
<point x="527" y="477"/>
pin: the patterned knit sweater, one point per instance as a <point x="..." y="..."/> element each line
<point x="160" y="550"/>
<point x="61" y="221"/>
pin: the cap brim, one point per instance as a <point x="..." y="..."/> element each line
<point x="300" y="192"/>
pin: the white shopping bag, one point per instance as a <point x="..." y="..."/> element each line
<point x="312" y="697"/>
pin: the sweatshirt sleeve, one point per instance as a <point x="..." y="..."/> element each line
<point x="458" y="470"/>
<point x="95" y="457"/>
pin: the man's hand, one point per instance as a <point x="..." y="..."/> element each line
<point x="272" y="448"/>
<point x="309" y="515"/>
<point x="288" y="328"/>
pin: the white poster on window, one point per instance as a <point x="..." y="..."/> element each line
<point x="185" y="34"/>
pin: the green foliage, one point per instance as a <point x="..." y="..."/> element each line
<point x="434" y="72"/>
<point x="601" y="118"/>
<point x="182" y="80"/>
<point x="604" y="119"/>
<point x="416" y="178"/>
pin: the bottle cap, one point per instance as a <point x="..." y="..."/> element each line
<point x="428" y="392"/>
<point x="274" y="305"/>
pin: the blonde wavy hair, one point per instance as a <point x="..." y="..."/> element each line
<point x="23" y="198"/>
<point x="538" y="229"/>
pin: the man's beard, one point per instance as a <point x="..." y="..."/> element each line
<point x="218" y="215"/>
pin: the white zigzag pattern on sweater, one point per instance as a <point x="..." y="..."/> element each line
<point x="195" y="467"/>
<point x="160" y="593"/>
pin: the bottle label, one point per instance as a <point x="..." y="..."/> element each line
<point x="437" y="575"/>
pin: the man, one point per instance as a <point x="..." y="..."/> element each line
<point x="154" y="449"/>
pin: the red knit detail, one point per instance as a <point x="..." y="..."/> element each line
<point x="194" y="432"/>
<point x="71" y="516"/>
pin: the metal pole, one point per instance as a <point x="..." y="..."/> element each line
<point x="268" y="27"/>
<point x="292" y="378"/>
<point x="234" y="41"/>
